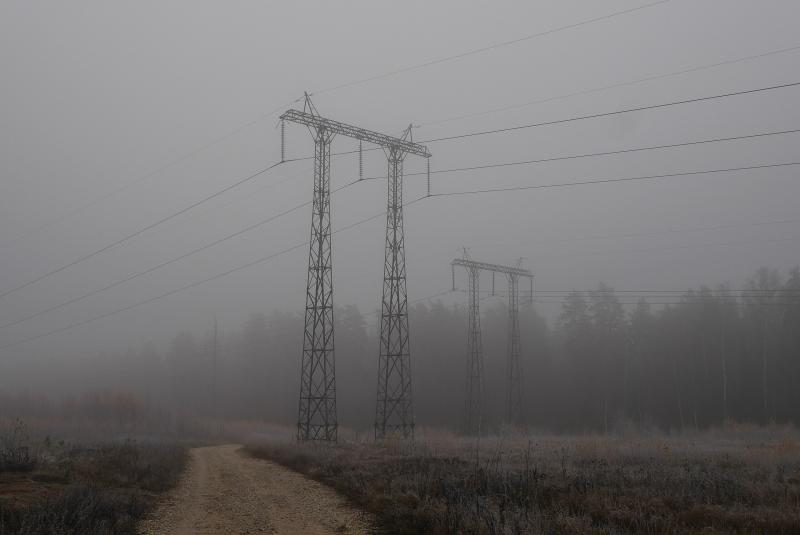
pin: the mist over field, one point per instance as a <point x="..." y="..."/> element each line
<point x="496" y="242"/>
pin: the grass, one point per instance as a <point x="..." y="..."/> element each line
<point x="100" y="488"/>
<point x="745" y="481"/>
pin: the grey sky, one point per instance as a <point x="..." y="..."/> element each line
<point x="95" y="95"/>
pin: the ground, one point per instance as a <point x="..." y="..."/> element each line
<point x="733" y="480"/>
<point x="91" y="489"/>
<point x="226" y="491"/>
<point x="737" y="479"/>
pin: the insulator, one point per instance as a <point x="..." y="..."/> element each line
<point x="360" y="161"/>
<point x="283" y="141"/>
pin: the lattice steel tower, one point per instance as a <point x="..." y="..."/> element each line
<point x="474" y="413"/>
<point x="475" y="407"/>
<point x="317" y="413"/>
<point x="513" y="364"/>
<point x="393" y="410"/>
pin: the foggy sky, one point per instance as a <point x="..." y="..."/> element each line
<point x="97" y="95"/>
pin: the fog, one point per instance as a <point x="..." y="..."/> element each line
<point x="116" y="116"/>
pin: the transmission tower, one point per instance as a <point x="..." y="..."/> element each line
<point x="475" y="394"/>
<point x="513" y="365"/>
<point x="393" y="411"/>
<point x="317" y="414"/>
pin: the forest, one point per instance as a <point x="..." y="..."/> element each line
<point x="606" y="364"/>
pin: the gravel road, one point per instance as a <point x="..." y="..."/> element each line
<point x="226" y="491"/>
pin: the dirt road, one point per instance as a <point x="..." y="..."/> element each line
<point x="226" y="491"/>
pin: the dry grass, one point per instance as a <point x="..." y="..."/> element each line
<point x="740" y="481"/>
<point x="87" y="489"/>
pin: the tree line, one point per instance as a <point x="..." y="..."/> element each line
<point x="708" y="356"/>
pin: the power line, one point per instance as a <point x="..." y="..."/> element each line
<point x="428" y="298"/>
<point x="189" y="286"/>
<point x="676" y="300"/>
<point x="686" y="291"/>
<point x="220" y="139"/>
<point x="676" y="297"/>
<point x="678" y="247"/>
<point x="138" y="232"/>
<point x="612" y="180"/>
<point x="574" y="119"/>
<point x="235" y="131"/>
<point x="485" y="48"/>
<point x="611" y="113"/>
<point x="347" y="185"/>
<point x="280" y="253"/>
<point x="606" y="87"/>
<point x="146" y="176"/>
<point x="167" y="262"/>
<point x="595" y="154"/>
<point x="630" y="303"/>
<point x="252" y="195"/>
<point x="263" y="222"/>
<point x="671" y="231"/>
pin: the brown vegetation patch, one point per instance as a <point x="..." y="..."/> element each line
<point x="97" y="489"/>
<point x="559" y="485"/>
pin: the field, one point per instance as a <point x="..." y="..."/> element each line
<point x="740" y="480"/>
<point x="81" y="486"/>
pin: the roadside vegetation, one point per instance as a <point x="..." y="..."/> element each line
<point x="75" y="487"/>
<point x="743" y="480"/>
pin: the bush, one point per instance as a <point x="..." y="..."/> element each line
<point x="80" y="509"/>
<point x="102" y="489"/>
<point x="563" y="484"/>
<point x="149" y="467"/>
<point x="15" y="450"/>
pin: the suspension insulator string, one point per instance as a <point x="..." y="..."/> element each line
<point x="360" y="161"/>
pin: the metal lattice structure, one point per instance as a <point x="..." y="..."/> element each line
<point x="317" y="414"/>
<point x="513" y="364"/>
<point x="313" y="120"/>
<point x="394" y="413"/>
<point x="474" y="413"/>
<point x="317" y="419"/>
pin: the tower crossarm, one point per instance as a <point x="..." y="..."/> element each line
<point x="317" y="122"/>
<point x="471" y="264"/>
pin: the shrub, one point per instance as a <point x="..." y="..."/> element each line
<point x="15" y="449"/>
<point x="101" y="489"/>
<point x="562" y="484"/>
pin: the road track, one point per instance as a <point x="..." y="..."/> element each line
<point x="225" y="491"/>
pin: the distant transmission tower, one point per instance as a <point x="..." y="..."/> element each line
<point x="513" y="364"/>
<point x="317" y="414"/>
<point x="475" y="382"/>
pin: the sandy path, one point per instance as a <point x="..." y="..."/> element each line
<point x="226" y="491"/>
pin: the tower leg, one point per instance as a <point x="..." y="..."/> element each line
<point x="474" y="409"/>
<point x="513" y="365"/>
<point x="394" y="412"/>
<point x="317" y="414"/>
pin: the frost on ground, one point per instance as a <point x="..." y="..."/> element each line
<point x="745" y="481"/>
